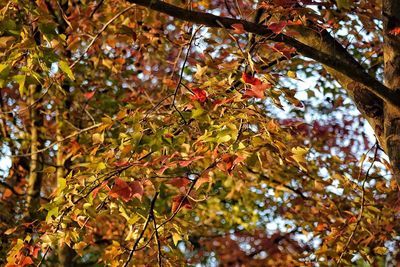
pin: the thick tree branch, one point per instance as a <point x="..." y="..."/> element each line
<point x="347" y="68"/>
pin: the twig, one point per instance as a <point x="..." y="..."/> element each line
<point x="149" y="217"/>
<point x="181" y="74"/>
<point x="157" y="238"/>
<point x="99" y="33"/>
<point x="96" y="8"/>
<point x="360" y="214"/>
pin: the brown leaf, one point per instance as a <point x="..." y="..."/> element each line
<point x="176" y="202"/>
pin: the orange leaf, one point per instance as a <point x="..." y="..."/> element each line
<point x="395" y="31"/>
<point x="247" y="78"/>
<point x="257" y="91"/>
<point x="185" y="163"/>
<point x="97" y="189"/>
<point x="238" y="28"/>
<point x="199" y="95"/>
<point x="89" y="95"/>
<point x="26" y="261"/>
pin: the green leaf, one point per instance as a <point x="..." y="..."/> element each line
<point x="62" y="183"/>
<point x="20" y="79"/>
<point x="224" y="138"/>
<point x="66" y="69"/>
<point x="51" y="213"/>
<point x="3" y="67"/>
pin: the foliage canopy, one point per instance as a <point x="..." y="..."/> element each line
<point x="229" y="133"/>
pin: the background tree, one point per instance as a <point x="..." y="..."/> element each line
<point x="203" y="132"/>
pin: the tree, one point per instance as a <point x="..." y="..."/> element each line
<point x="143" y="132"/>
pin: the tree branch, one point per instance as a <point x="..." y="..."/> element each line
<point x="347" y="68"/>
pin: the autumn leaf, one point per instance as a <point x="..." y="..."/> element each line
<point x="247" y="78"/>
<point x="284" y="50"/>
<point x="395" y="31"/>
<point x="120" y="189"/>
<point x="238" y="28"/>
<point x="136" y="190"/>
<point x="199" y="95"/>
<point x="97" y="189"/>
<point x="26" y="261"/>
<point x="257" y="91"/>
<point x="179" y="182"/>
<point x="177" y="200"/>
<point x="277" y="27"/>
<point x="89" y="95"/>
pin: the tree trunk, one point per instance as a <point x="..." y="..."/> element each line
<point x="391" y="49"/>
<point x="36" y="167"/>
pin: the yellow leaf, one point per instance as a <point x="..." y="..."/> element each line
<point x="51" y="213"/>
<point x="98" y="138"/>
<point x="79" y="247"/>
<point x="380" y="250"/>
<point x="11" y="230"/>
<point x="176" y="238"/>
<point x="66" y="69"/>
<point x="291" y="74"/>
<point x="200" y="71"/>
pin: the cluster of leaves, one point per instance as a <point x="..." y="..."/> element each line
<point x="178" y="145"/>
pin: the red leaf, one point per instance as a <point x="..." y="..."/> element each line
<point x="26" y="261"/>
<point x="199" y="95"/>
<point x="247" y="78"/>
<point x="34" y="250"/>
<point x="277" y="27"/>
<point x="395" y="31"/>
<point x="126" y="191"/>
<point x="177" y="200"/>
<point x="121" y="189"/>
<point x="284" y="50"/>
<point x="238" y="28"/>
<point x="179" y="182"/>
<point x="257" y="91"/>
<point x="89" y="95"/>
<point x="122" y="163"/>
<point x="136" y="190"/>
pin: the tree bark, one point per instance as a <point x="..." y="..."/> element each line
<point x="36" y="167"/>
<point x="391" y="57"/>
